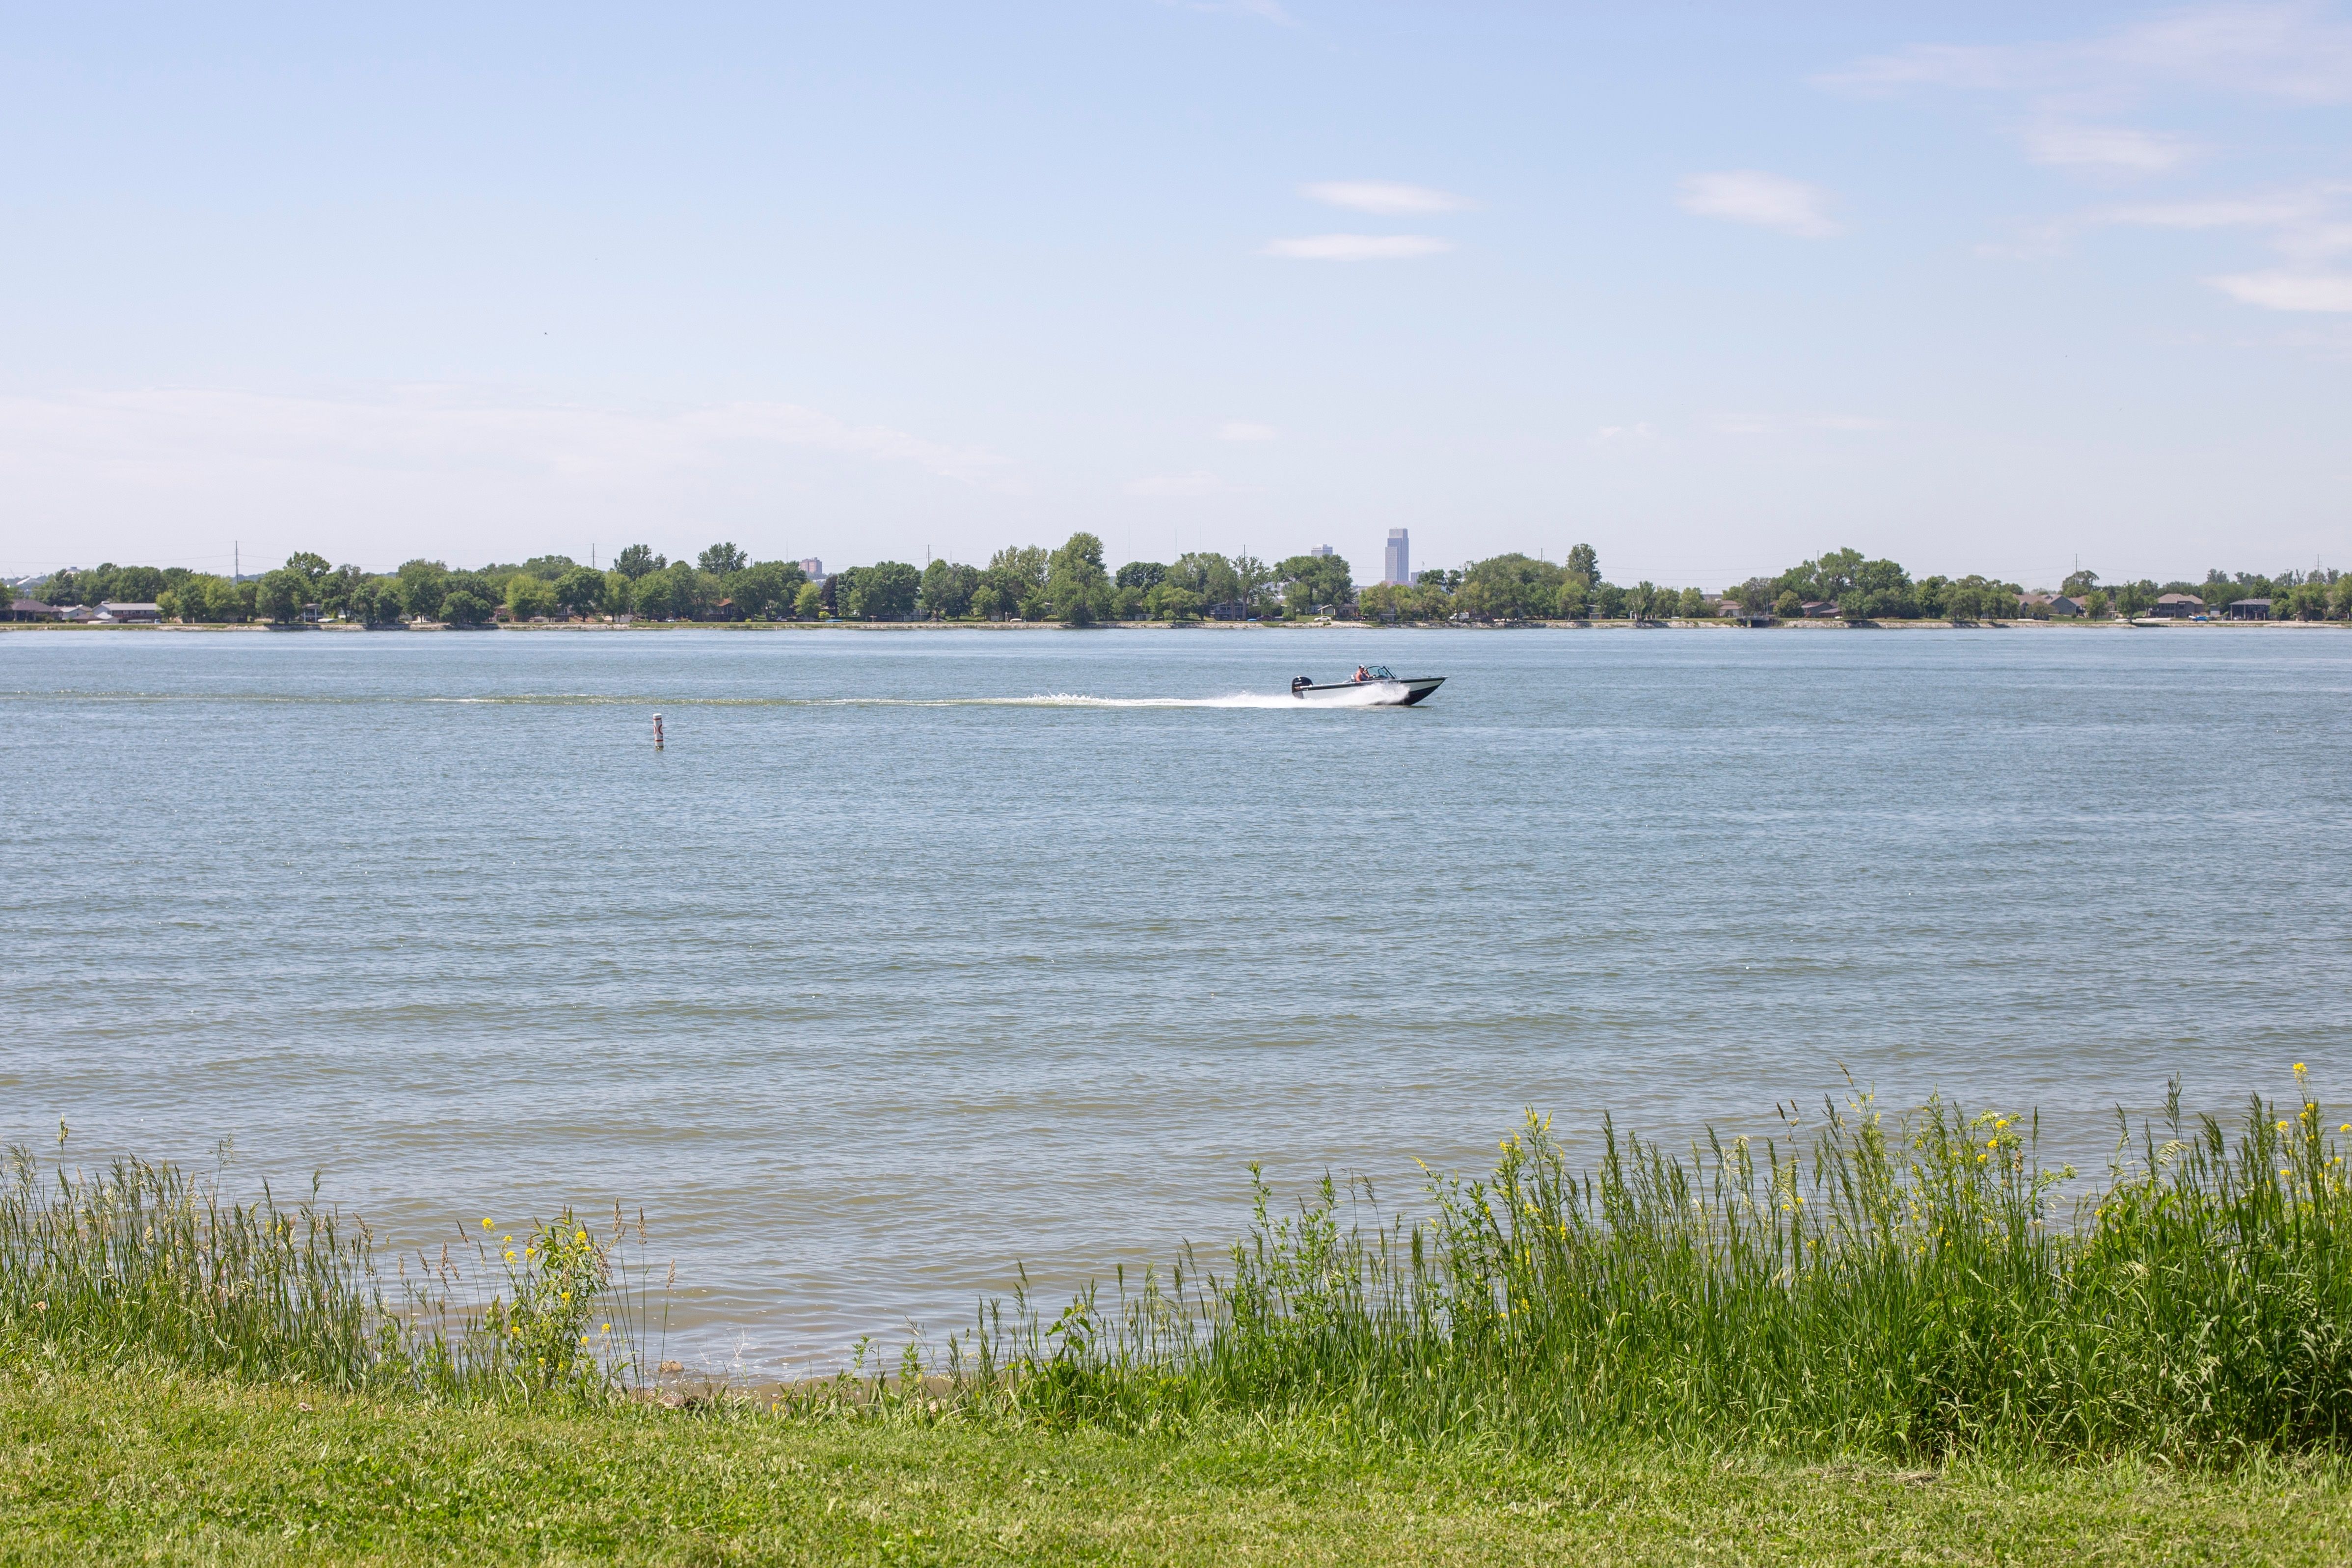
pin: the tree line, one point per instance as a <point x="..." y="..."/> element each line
<point x="1073" y="585"/>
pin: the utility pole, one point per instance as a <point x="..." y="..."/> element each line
<point x="235" y="561"/>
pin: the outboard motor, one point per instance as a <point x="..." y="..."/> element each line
<point x="1300" y="683"/>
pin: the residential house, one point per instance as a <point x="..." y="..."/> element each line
<point x="2176" y="606"/>
<point x="31" y="610"/>
<point x="118" y="611"/>
<point x="2037" y="606"/>
<point x="2250" y="609"/>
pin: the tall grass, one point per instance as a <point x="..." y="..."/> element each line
<point x="1895" y="1285"/>
<point x="139" y="1260"/>
<point x="1904" y="1286"/>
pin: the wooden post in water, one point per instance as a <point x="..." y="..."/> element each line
<point x="657" y="735"/>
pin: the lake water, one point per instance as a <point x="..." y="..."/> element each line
<point x="872" y="983"/>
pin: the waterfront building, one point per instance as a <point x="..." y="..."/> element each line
<point x="2250" y="609"/>
<point x="2177" y="606"/>
<point x="1398" y="565"/>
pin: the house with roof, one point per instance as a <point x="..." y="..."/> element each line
<point x="31" y="610"/>
<point x="122" y="612"/>
<point x="2250" y="609"/>
<point x="2176" y="606"/>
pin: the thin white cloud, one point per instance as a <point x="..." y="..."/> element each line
<point x="2329" y="292"/>
<point x="2306" y="227"/>
<point x="1197" y="483"/>
<point x="2109" y="148"/>
<point x="1613" y="433"/>
<point x="416" y="427"/>
<point x="1750" y="195"/>
<point x="1244" y="430"/>
<point x="1384" y="197"/>
<point x="2295" y="52"/>
<point x="1358" y="247"/>
<point x="1264" y="10"/>
<point x="1758" y="424"/>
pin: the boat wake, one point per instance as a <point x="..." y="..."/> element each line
<point x="1074" y="699"/>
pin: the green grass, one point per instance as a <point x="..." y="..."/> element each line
<point x="157" y="1466"/>
<point x="1907" y="1287"/>
<point x="1875" y="1338"/>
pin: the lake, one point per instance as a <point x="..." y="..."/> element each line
<point x="915" y="954"/>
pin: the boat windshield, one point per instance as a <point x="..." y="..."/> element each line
<point x="1377" y="672"/>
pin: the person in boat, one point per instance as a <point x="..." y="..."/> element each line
<point x="1363" y="674"/>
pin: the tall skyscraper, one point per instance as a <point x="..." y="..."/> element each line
<point x="1400" y="562"/>
<point x="1322" y="549"/>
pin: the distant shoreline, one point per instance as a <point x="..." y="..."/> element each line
<point x="1674" y="624"/>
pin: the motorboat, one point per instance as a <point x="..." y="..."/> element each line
<point x="1372" y="686"/>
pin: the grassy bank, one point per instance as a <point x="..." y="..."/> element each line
<point x="153" y="1466"/>
<point x="1872" y="1337"/>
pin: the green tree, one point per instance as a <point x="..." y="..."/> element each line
<point x="948" y="589"/>
<point x="422" y="585"/>
<point x="137" y="584"/>
<point x="1584" y="561"/>
<point x="1076" y="585"/>
<point x="654" y="596"/>
<point x="375" y="601"/>
<point x="1875" y="590"/>
<point x="313" y="567"/>
<point x="1378" y="602"/>
<point x="885" y="590"/>
<point x="528" y="596"/>
<point x="1144" y="575"/>
<point x="1208" y="574"/>
<point x="721" y="559"/>
<point x="1314" y="582"/>
<point x="1016" y="578"/>
<point x="1511" y="587"/>
<point x="466" y="608"/>
<point x="764" y="591"/>
<point x="808" y="604"/>
<point x="2079" y="582"/>
<point x="579" y="591"/>
<point x="1174" y="602"/>
<point x="2095" y="606"/>
<point x="1694" y="605"/>
<point x="280" y="596"/>
<point x="638" y="560"/>
<point x="1788" y="606"/>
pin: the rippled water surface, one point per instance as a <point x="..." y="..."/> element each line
<point x="901" y="962"/>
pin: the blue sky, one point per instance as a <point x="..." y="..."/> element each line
<point x="1983" y="288"/>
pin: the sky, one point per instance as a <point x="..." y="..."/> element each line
<point x="1988" y="287"/>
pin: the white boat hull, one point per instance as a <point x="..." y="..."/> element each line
<point x="1402" y="692"/>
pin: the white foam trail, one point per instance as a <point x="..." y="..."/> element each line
<point x="1371" y="694"/>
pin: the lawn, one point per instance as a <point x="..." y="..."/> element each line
<point x="157" y="1466"/>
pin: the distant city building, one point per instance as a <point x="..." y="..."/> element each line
<point x="813" y="569"/>
<point x="1322" y="549"/>
<point x="1399" y="557"/>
